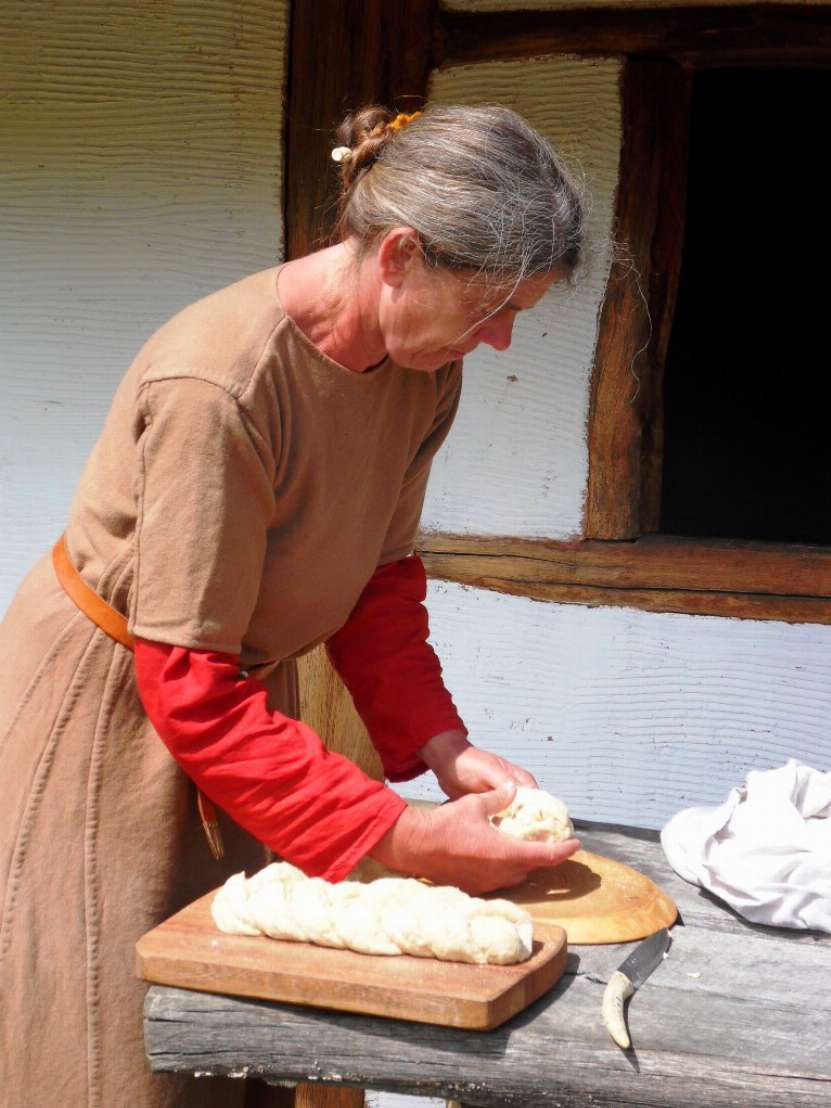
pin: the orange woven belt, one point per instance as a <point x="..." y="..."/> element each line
<point x="114" y="624"/>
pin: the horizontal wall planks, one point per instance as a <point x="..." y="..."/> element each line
<point x="708" y="35"/>
<point x="656" y="573"/>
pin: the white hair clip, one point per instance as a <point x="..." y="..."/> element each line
<point x="340" y="152"/>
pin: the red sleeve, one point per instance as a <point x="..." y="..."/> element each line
<point x="383" y="657"/>
<point x="270" y="773"/>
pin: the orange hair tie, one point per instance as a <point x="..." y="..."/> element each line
<point x="401" y="121"/>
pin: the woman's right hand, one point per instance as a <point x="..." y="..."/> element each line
<point x="454" y="844"/>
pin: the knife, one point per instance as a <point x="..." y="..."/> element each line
<point x="631" y="974"/>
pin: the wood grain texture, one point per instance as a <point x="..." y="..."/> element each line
<point x="630" y="715"/>
<point x="653" y="562"/>
<point x="781" y="609"/>
<point x="596" y="900"/>
<point x="731" y="1019"/>
<point x="625" y="414"/>
<point x="706" y="34"/>
<point x="516" y="459"/>
<point x="327" y="707"/>
<point x="344" y="55"/>
<point x="188" y="950"/>
<point x="326" y="1096"/>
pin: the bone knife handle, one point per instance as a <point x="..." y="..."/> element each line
<point x="617" y="990"/>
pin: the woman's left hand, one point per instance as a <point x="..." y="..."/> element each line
<point x="462" y="768"/>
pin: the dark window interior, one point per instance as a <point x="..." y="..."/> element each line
<point x="747" y="391"/>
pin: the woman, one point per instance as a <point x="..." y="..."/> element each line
<point x="256" y="491"/>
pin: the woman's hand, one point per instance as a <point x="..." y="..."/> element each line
<point x="462" y="768"/>
<point x="454" y="844"/>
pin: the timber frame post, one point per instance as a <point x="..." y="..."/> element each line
<point x="344" y="54"/>
<point x="625" y="429"/>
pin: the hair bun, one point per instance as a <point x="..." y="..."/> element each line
<point x="365" y="133"/>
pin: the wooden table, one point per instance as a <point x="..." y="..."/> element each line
<point x="737" y="1015"/>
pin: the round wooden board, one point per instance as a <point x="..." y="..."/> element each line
<point x="596" y="900"/>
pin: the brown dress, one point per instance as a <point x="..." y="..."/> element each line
<point x="243" y="491"/>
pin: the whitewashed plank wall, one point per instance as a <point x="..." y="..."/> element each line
<point x="141" y="148"/>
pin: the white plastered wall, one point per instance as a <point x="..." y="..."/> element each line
<point x="631" y="715"/>
<point x="141" y="148"/>
<point x="628" y="715"/>
<point x="518" y="463"/>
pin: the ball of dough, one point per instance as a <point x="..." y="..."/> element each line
<point x="536" y="816"/>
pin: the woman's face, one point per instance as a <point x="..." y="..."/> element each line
<point x="435" y="316"/>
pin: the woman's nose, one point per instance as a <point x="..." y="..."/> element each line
<point x="497" y="332"/>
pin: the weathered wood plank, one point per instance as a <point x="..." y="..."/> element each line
<point x="717" y="1052"/>
<point x="652" y="562"/>
<point x="796" y="609"/>
<point x="732" y="1018"/>
<point x="625" y="415"/>
<point x="707" y="35"/>
<point x="658" y="573"/>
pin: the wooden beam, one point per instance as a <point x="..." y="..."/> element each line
<point x="625" y="430"/>
<point x="794" y="609"/>
<point x="655" y="562"/>
<point x="657" y="573"/>
<point x="344" y="54"/>
<point x="731" y="35"/>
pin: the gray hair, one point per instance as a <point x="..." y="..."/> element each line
<point x="482" y="189"/>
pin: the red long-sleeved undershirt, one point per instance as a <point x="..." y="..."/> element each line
<point x="271" y="773"/>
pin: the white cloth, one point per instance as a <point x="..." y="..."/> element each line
<point x="766" y="850"/>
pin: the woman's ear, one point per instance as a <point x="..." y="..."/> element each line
<point x="399" y="251"/>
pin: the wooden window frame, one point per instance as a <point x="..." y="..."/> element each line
<point x="621" y="561"/>
<point x="383" y="51"/>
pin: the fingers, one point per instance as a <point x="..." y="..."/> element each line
<point x="551" y="854"/>
<point x="491" y="877"/>
<point x="522" y="777"/>
<point x="496" y="800"/>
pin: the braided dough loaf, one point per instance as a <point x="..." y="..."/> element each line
<point x="393" y="915"/>
<point x="536" y="816"/>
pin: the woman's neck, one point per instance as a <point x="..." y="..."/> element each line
<point x="333" y="299"/>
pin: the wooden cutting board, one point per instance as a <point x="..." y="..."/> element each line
<point x="188" y="951"/>
<point x="595" y="899"/>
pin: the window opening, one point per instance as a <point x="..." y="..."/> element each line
<point x="747" y="434"/>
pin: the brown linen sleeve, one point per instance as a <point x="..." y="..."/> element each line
<point x="204" y="501"/>
<point x="403" y="527"/>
